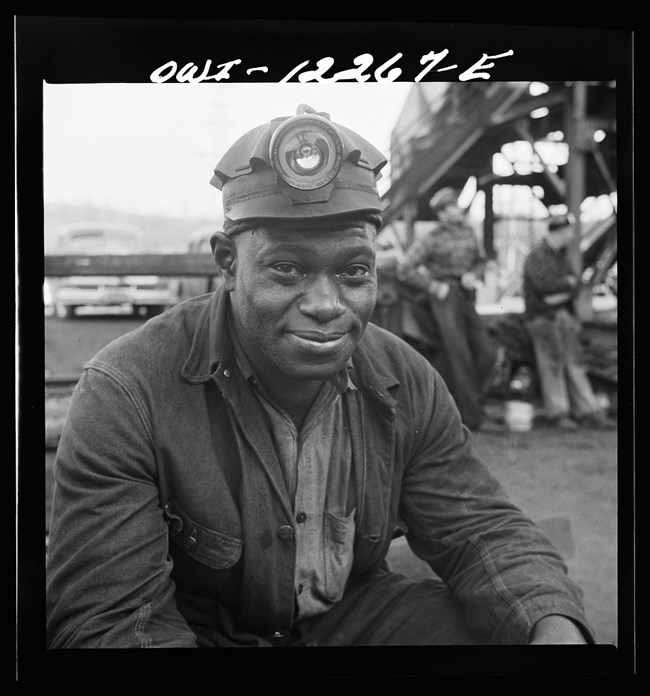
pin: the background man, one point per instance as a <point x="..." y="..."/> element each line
<point x="550" y="290"/>
<point x="446" y="264"/>
<point x="232" y="473"/>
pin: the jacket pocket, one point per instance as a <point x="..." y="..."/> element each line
<point x="338" y="534"/>
<point x="212" y="548"/>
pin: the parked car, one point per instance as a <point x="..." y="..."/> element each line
<point x="144" y="294"/>
<point x="191" y="286"/>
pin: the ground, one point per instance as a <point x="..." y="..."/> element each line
<point x="568" y="481"/>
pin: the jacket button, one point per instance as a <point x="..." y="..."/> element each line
<point x="285" y="532"/>
<point x="191" y="541"/>
<point x="301" y="517"/>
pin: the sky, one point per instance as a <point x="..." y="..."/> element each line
<point x="151" y="148"/>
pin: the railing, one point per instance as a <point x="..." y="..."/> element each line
<point x="137" y="264"/>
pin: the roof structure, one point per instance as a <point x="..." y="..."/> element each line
<point x="448" y="132"/>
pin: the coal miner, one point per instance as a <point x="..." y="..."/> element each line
<point x="232" y="472"/>
<point x="551" y="287"/>
<point x="446" y="265"/>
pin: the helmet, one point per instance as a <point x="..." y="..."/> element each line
<point x="302" y="166"/>
<point x="445" y="196"/>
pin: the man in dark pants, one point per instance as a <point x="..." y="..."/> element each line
<point x="446" y="264"/>
<point x="232" y="473"/>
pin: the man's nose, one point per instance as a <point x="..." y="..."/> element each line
<point x="322" y="300"/>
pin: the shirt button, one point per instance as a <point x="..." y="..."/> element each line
<point x="191" y="541"/>
<point x="301" y="517"/>
<point x="285" y="532"/>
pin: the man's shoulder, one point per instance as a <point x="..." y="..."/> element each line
<point x="378" y="336"/>
<point x="538" y="250"/>
<point x="385" y="349"/>
<point x="162" y="339"/>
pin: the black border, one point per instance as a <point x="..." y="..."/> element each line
<point x="127" y="49"/>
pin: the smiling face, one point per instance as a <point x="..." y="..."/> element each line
<point x="301" y="299"/>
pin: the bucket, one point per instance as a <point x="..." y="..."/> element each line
<point x="518" y="416"/>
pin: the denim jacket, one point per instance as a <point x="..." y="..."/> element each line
<point x="171" y="521"/>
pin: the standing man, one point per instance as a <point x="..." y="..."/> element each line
<point x="550" y="289"/>
<point x="446" y="264"/>
<point x="232" y="473"/>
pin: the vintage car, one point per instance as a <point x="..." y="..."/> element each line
<point x="142" y="294"/>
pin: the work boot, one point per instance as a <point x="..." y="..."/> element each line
<point x="598" y="421"/>
<point x="564" y="423"/>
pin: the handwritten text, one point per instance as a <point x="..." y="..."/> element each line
<point x="362" y="72"/>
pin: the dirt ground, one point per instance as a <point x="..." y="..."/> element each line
<point x="568" y="480"/>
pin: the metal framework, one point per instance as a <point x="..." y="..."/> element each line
<point x="458" y="133"/>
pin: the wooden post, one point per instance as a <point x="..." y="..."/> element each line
<point x="410" y="215"/>
<point x="576" y="165"/>
<point x="488" y="223"/>
<point x="578" y="141"/>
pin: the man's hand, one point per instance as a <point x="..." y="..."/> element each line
<point x="468" y="281"/>
<point x="438" y="289"/>
<point x="556" y="630"/>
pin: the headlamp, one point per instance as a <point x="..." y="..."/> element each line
<point x="306" y="151"/>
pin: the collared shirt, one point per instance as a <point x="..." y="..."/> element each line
<point x="447" y="253"/>
<point x="317" y="462"/>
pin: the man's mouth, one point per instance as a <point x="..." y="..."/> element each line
<point x="319" y="342"/>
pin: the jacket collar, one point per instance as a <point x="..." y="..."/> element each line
<point x="209" y="340"/>
<point x="211" y="352"/>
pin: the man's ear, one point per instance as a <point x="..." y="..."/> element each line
<point x="223" y="250"/>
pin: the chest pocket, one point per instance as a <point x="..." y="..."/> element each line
<point x="338" y="534"/>
<point x="214" y="549"/>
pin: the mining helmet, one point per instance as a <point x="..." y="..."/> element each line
<point x="302" y="166"/>
<point x="445" y="196"/>
<point x="556" y="222"/>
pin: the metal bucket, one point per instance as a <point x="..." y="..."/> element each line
<point x="518" y="416"/>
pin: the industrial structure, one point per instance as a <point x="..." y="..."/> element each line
<point x="518" y="152"/>
<point x="449" y="134"/>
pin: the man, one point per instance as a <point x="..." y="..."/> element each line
<point x="446" y="265"/>
<point x="232" y="473"/>
<point x="550" y="289"/>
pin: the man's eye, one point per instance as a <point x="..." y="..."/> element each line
<point x="356" y="271"/>
<point x="288" y="269"/>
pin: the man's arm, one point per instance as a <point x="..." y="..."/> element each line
<point x="108" y="571"/>
<point x="477" y="270"/>
<point x="496" y="561"/>
<point x="413" y="269"/>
